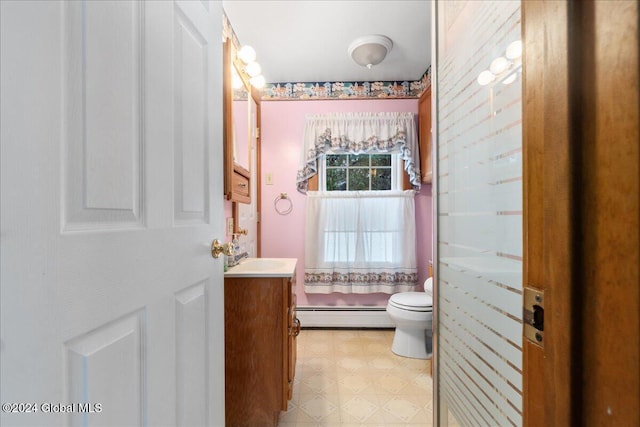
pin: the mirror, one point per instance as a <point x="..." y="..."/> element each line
<point x="241" y="116"/>
<point x="237" y="129"/>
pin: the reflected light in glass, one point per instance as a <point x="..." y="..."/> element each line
<point x="236" y="81"/>
<point x="485" y="78"/>
<point x="510" y="79"/>
<point x="499" y="65"/>
<point x="514" y="50"/>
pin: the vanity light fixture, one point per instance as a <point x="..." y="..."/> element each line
<point x="498" y="65"/>
<point x="258" y="81"/>
<point x="504" y="69"/>
<point x="253" y="68"/>
<point x="486" y="77"/>
<point x="370" y="50"/>
<point x="247" y="55"/>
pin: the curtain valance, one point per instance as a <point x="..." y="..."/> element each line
<point x="359" y="133"/>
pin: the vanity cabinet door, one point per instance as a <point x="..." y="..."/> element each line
<point x="254" y="350"/>
<point x="261" y="332"/>
<point x="294" y="330"/>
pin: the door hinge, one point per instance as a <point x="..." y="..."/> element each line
<point x="533" y="315"/>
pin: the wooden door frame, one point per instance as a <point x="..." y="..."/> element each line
<point x="581" y="197"/>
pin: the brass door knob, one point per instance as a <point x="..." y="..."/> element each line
<point x="218" y="248"/>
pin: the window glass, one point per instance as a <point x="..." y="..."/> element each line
<point x="361" y="172"/>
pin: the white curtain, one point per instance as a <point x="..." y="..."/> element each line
<point x="360" y="242"/>
<point x="357" y="133"/>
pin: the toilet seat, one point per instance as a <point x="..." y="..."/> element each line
<point x="412" y="301"/>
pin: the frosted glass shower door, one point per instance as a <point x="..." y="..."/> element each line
<point x="479" y="212"/>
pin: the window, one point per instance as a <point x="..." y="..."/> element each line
<point x="360" y="172"/>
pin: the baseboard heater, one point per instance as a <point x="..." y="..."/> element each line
<point x="344" y="317"/>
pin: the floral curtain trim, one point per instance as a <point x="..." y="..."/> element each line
<point x="360" y="283"/>
<point x="359" y="133"/>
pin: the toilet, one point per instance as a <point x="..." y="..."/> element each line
<point x="412" y="313"/>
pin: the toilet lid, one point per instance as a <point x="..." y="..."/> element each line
<point x="415" y="301"/>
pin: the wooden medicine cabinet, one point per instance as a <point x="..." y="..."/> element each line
<point x="240" y="107"/>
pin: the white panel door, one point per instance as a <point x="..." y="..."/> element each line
<point x="111" y="193"/>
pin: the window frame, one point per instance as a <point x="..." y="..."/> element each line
<point x="396" y="171"/>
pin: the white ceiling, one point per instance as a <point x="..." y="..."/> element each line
<point x="307" y="41"/>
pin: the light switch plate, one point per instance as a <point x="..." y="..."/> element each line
<point x="269" y="179"/>
<point x="229" y="226"/>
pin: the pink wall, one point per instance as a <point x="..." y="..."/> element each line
<point x="282" y="124"/>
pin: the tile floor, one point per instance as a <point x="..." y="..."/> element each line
<point x="351" y="378"/>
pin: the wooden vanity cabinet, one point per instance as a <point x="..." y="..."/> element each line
<point x="260" y="348"/>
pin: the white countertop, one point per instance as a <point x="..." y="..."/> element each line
<point x="263" y="267"/>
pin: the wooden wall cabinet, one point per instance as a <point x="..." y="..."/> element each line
<point x="260" y="348"/>
<point x="424" y="134"/>
<point x="240" y="129"/>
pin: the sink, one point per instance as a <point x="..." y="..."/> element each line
<point x="261" y="264"/>
<point x="263" y="267"/>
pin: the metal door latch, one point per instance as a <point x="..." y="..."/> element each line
<point x="533" y="315"/>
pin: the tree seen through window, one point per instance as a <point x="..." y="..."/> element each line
<point x="358" y="172"/>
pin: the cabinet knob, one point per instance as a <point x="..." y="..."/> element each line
<point x="295" y="330"/>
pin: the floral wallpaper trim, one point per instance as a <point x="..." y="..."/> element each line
<point x="334" y="90"/>
<point x="346" y="90"/>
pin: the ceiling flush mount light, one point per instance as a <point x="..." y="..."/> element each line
<point x="370" y="50"/>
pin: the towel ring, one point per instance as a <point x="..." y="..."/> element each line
<point x="285" y="210"/>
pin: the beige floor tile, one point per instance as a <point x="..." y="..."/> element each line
<point x="318" y="348"/>
<point x="348" y="378"/>
<point x="404" y="409"/>
<point x="345" y="335"/>
<point x="351" y="364"/>
<point x="319" y="363"/>
<point x="318" y="408"/>
<point x="351" y="348"/>
<point x="390" y="384"/>
<point x="290" y="415"/>
<point x="361" y="409"/>
<point x="384" y="363"/>
<point x="350" y="383"/>
<point x="422" y="380"/>
<point x="319" y="382"/>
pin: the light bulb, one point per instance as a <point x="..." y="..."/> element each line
<point x="258" y="81"/>
<point x="253" y="69"/>
<point x="485" y="78"/>
<point x="499" y="65"/>
<point x="247" y="54"/>
<point x="514" y="50"/>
